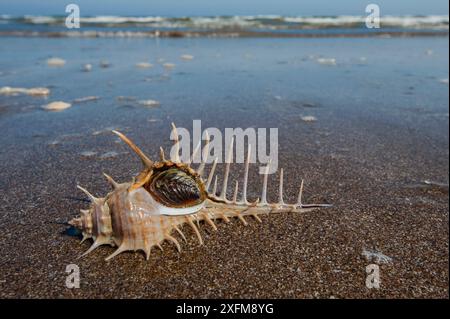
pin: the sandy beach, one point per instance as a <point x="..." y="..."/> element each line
<point x="368" y="133"/>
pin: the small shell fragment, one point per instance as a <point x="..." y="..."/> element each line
<point x="326" y="61"/>
<point x="87" y="67"/>
<point x="57" y="62"/>
<point x="56" y="106"/>
<point x="109" y="154"/>
<point x="86" y="99"/>
<point x="144" y="65"/>
<point x="6" y="90"/>
<point x="187" y="57"/>
<point x="169" y="65"/>
<point x="38" y="91"/>
<point x="149" y="103"/>
<point x="88" y="153"/>
<point x="308" y="118"/>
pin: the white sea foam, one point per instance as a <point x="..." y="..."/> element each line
<point x="256" y="21"/>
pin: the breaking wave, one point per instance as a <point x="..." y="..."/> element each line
<point x="269" y="22"/>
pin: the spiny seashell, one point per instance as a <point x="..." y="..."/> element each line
<point x="165" y="196"/>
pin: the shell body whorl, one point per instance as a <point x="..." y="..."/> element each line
<point x="136" y="220"/>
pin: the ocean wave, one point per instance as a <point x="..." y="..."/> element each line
<point x="242" y="22"/>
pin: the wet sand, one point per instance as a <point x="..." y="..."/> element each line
<point x="372" y="163"/>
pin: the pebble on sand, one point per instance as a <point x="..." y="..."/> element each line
<point x="144" y="65"/>
<point x="308" y="118"/>
<point x="56" y="106"/>
<point x="326" y="61"/>
<point x="87" y="67"/>
<point x="187" y="57"/>
<point x="105" y="64"/>
<point x="6" y="90"/>
<point x="56" y="62"/>
<point x="150" y="103"/>
<point x="169" y="65"/>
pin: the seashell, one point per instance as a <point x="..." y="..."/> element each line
<point x="168" y="195"/>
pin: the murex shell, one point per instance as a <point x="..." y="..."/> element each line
<point x="167" y="195"/>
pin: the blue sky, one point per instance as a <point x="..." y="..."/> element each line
<point x="223" y="7"/>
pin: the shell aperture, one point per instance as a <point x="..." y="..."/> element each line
<point x="174" y="187"/>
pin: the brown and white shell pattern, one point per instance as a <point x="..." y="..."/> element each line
<point x="165" y="196"/>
